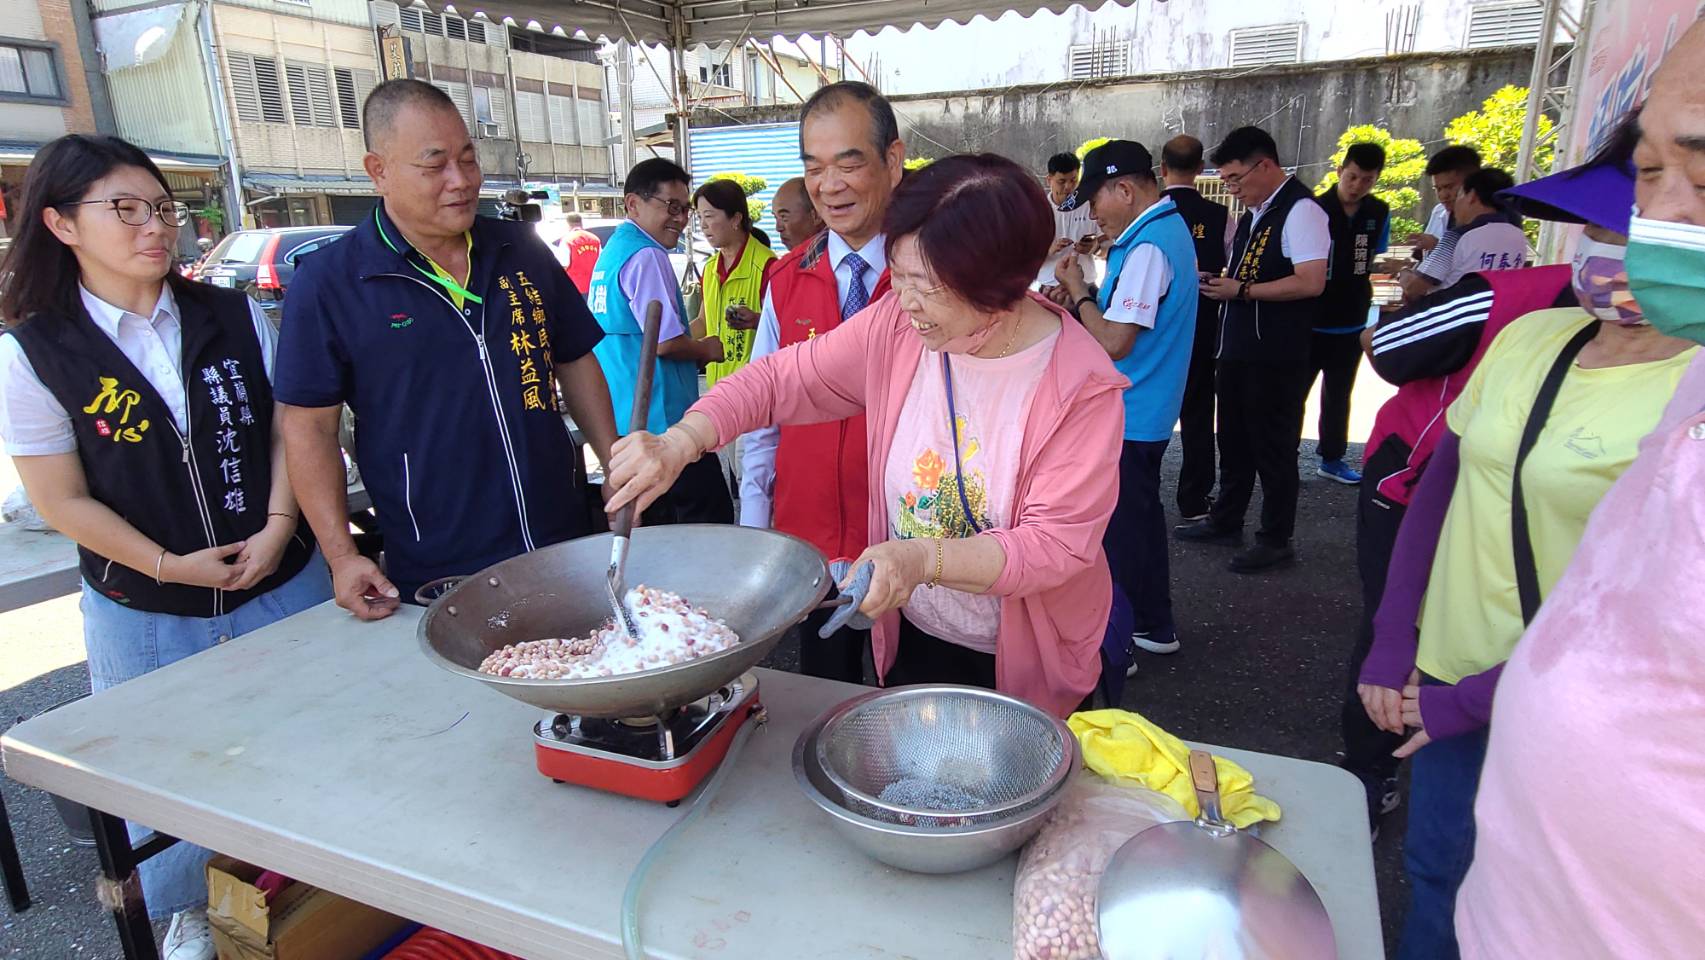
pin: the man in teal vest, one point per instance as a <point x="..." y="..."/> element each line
<point x="1145" y="317"/>
<point x="633" y="272"/>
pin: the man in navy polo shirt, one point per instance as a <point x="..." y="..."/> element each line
<point x="447" y="335"/>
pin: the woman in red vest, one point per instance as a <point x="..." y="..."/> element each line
<point x="993" y="422"/>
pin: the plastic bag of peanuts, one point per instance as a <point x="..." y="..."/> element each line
<point x="1053" y="897"/>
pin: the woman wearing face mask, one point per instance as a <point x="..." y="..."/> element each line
<point x="1551" y="417"/>
<point x="137" y="409"/>
<point x="735" y="277"/>
<point x="987" y="561"/>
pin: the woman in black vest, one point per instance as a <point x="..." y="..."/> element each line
<point x="137" y="407"/>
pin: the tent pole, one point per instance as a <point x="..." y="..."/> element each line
<point x="678" y="62"/>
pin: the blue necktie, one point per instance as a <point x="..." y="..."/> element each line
<point x="858" y="297"/>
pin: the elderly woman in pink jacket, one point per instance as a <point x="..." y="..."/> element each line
<point x="994" y="427"/>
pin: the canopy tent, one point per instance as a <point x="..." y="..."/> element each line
<point x="686" y="23"/>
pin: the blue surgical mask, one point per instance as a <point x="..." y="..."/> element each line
<point x="1666" y="273"/>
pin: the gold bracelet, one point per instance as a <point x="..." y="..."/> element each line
<point x="159" y="563"/>
<point x="936" y="580"/>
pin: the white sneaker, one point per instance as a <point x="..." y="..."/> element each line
<point x="1131" y="670"/>
<point x="189" y="937"/>
<point x="1142" y="642"/>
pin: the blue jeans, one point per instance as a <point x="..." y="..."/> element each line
<point x="1439" y="844"/>
<point x="123" y="644"/>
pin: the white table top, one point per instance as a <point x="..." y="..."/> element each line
<point x="35" y="565"/>
<point x="335" y="753"/>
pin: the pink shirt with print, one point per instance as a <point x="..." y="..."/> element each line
<point x="991" y="397"/>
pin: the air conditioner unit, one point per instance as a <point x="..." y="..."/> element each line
<point x="489" y="130"/>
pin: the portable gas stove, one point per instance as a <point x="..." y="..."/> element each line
<point x="659" y="758"/>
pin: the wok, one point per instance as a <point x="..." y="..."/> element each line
<point x="761" y="582"/>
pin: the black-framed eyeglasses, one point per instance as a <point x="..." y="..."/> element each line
<point x="675" y="207"/>
<point x="137" y="212"/>
<point x="1236" y="179"/>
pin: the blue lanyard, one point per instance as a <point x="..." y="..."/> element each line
<point x="953" y="428"/>
<point x="444" y="282"/>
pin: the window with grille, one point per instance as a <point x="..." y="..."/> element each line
<point x="255" y="88"/>
<point x="1258" y="46"/>
<point x="1504" y="24"/>
<point x="476" y="31"/>
<point x="431" y="23"/>
<point x="28" y="71"/>
<point x="458" y="93"/>
<point x="310" y="95"/>
<point x="531" y="117"/>
<point x="410" y="18"/>
<point x="562" y="118"/>
<point x="1086" y="61"/>
<point x="491" y="107"/>
<point x="721" y="74"/>
<point x="353" y="86"/>
<point x="455" y="28"/>
<point x="594" y="122"/>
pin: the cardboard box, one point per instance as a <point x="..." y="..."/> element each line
<point x="301" y="923"/>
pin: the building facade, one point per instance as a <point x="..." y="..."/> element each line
<point x="46" y="61"/>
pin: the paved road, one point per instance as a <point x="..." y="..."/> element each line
<point x="1262" y="668"/>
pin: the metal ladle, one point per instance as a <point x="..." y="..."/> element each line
<point x="1203" y="888"/>
<point x="621" y="526"/>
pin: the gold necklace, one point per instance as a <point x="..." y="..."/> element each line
<point x="1017" y="322"/>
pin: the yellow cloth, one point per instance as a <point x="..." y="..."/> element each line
<point x="457" y="287"/>
<point x="1471" y="616"/>
<point x="1121" y="745"/>
<point x="744" y="286"/>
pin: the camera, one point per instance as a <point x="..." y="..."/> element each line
<point x="520" y="206"/>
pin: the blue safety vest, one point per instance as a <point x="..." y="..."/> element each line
<point x="674" y="383"/>
<point x="1160" y="361"/>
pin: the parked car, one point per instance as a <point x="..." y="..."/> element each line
<point x="261" y="263"/>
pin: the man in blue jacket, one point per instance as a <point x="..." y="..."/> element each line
<point x="1144" y="315"/>
<point x="447" y="334"/>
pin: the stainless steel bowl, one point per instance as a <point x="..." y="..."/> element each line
<point x="918" y="849"/>
<point x="994" y="755"/>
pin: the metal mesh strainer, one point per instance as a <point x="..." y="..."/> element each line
<point x="943" y="756"/>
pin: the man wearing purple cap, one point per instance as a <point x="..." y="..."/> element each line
<point x="1429" y="350"/>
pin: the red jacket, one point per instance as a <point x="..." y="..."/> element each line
<point x="1429" y="350"/>
<point x="821" y="494"/>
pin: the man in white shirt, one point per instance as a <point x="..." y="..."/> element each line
<point x="1488" y="237"/>
<point x="1271" y="304"/>
<point x="811" y="480"/>
<point x="1073" y="228"/>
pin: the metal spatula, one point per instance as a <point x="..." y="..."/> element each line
<point x="621" y="527"/>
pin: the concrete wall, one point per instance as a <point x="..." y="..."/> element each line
<point x="1306" y="107"/>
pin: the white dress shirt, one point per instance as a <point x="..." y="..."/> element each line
<point x="758" y="449"/>
<point x="32" y="421"/>
<point x="1308" y="233"/>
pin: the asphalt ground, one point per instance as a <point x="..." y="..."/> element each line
<point x="1262" y="668"/>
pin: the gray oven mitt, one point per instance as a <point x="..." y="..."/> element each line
<point x="847" y="615"/>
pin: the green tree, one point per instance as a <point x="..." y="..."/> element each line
<point x="1399" y="182"/>
<point x="1495" y="131"/>
<point x="752" y="186"/>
